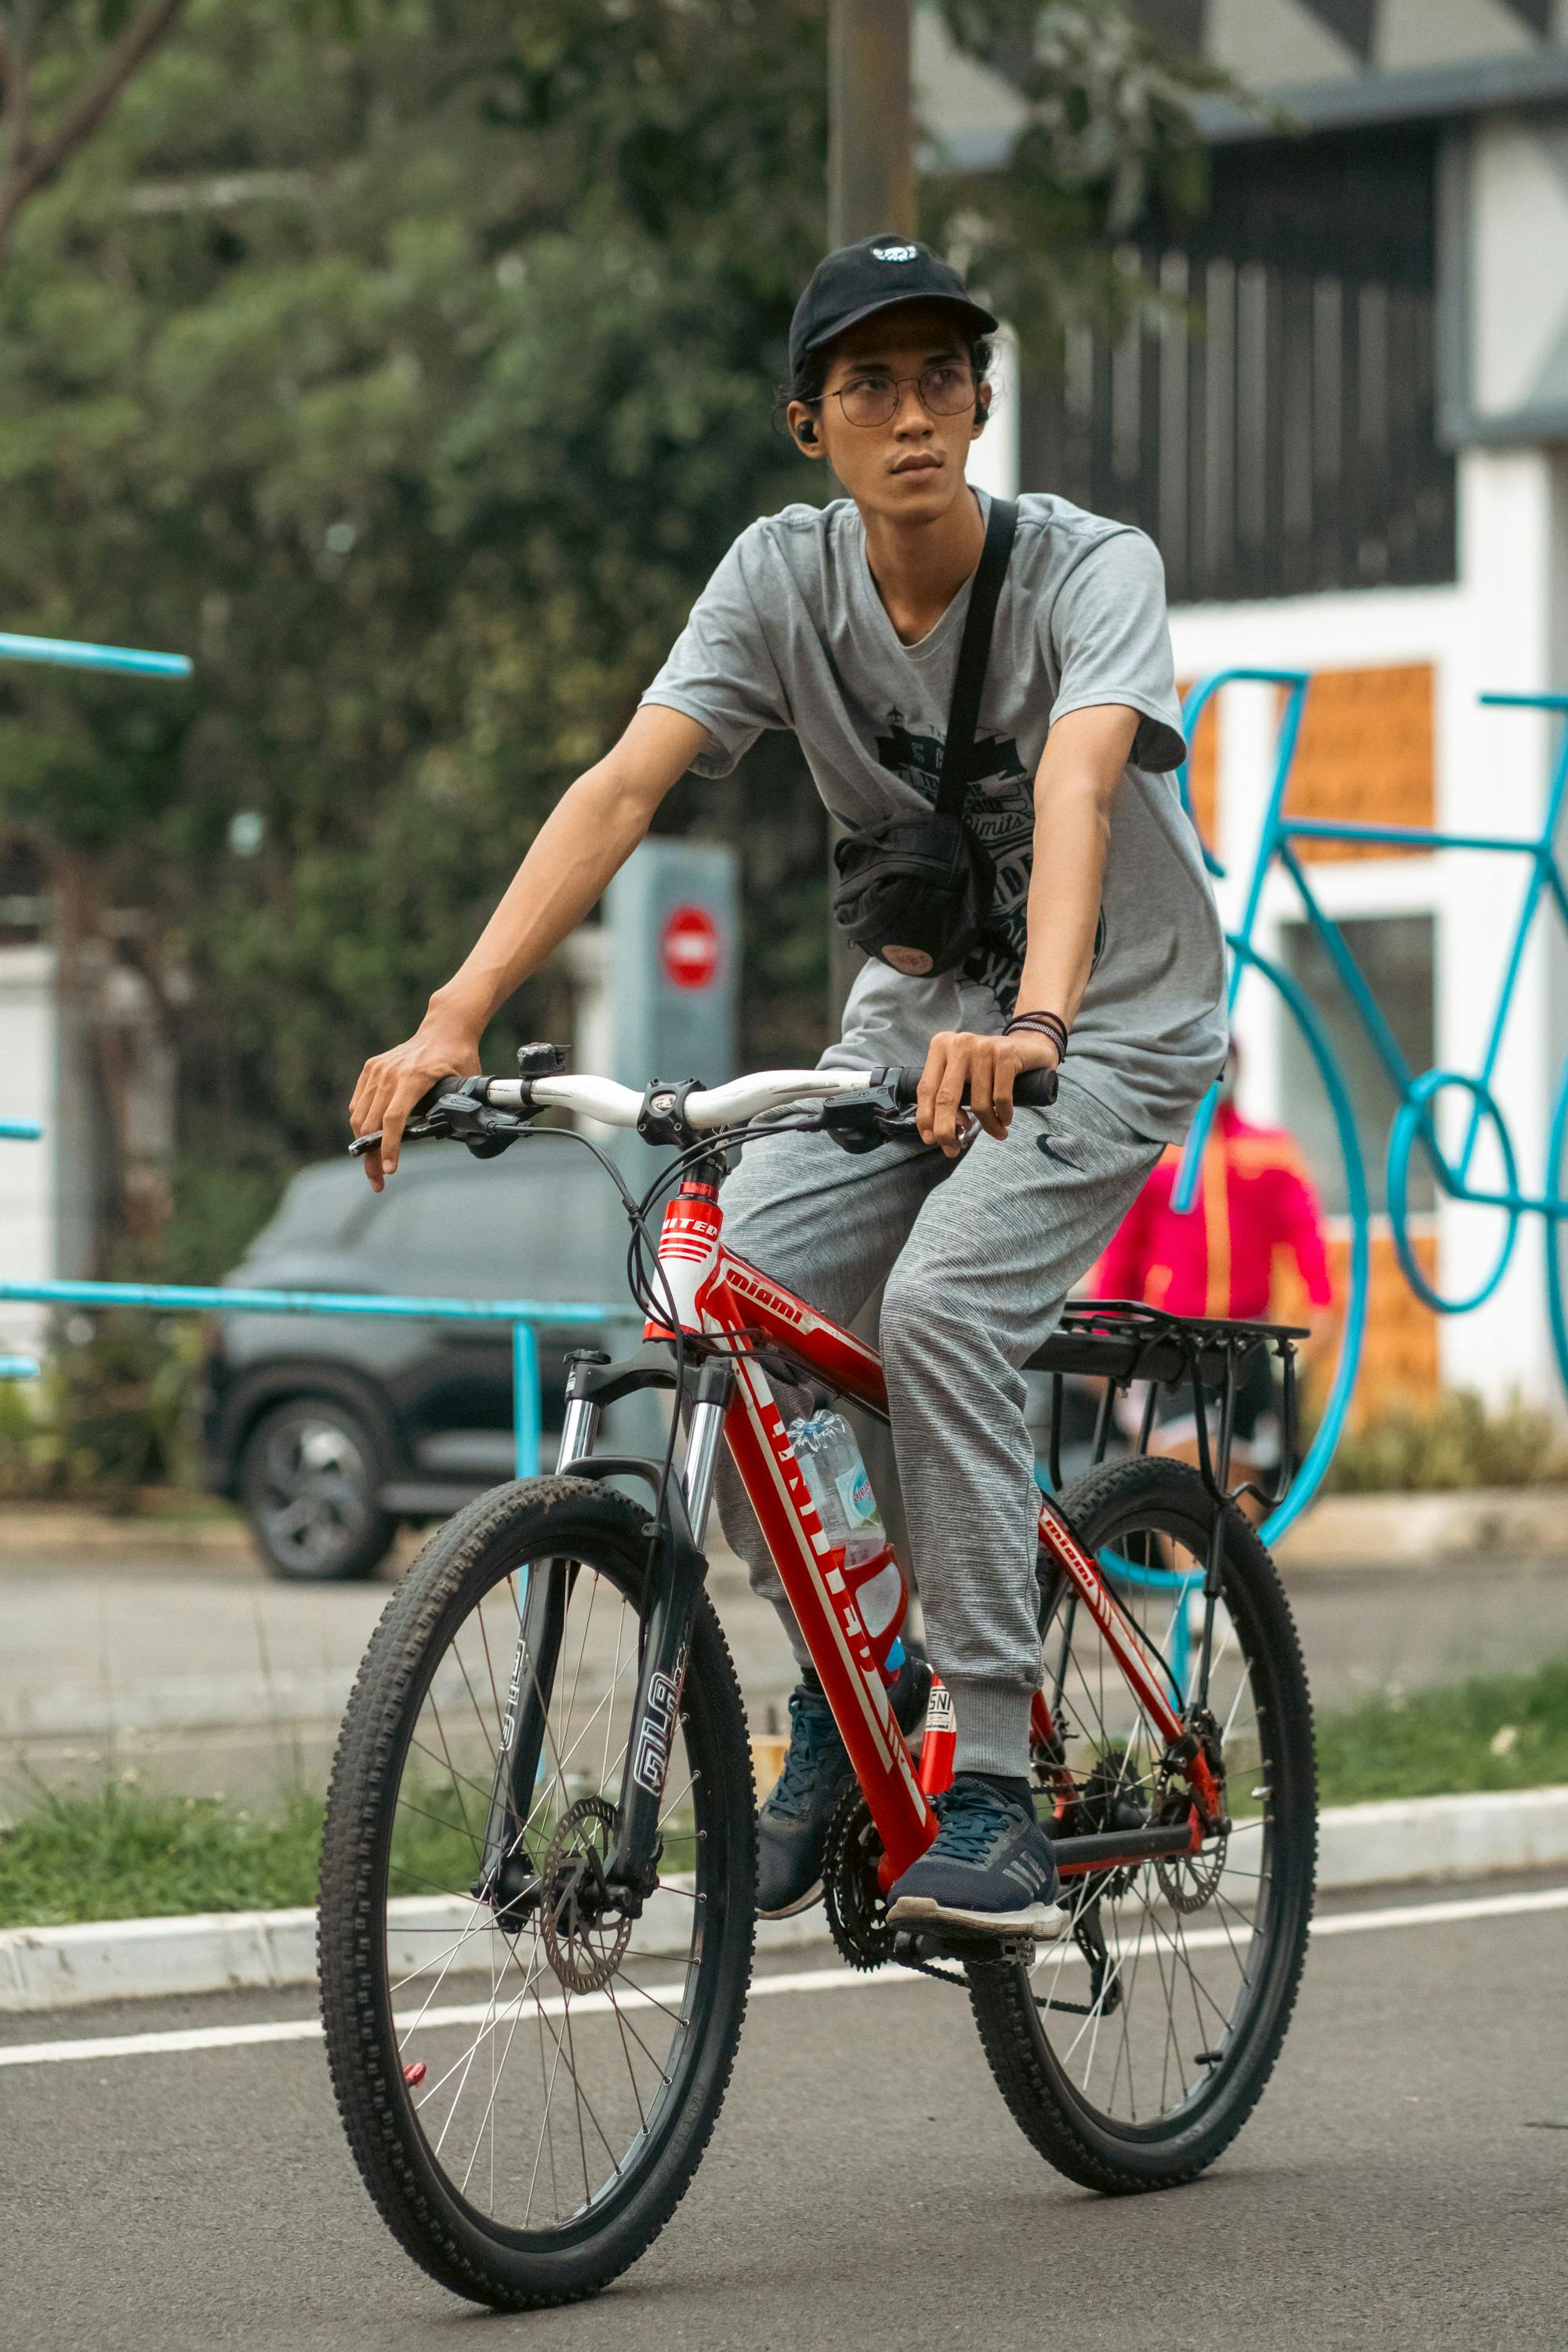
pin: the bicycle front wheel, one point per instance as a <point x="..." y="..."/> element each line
<point x="1135" y="2049"/>
<point x="527" y="2078"/>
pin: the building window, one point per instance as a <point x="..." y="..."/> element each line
<point x="1276" y="433"/>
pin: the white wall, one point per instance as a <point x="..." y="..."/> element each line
<point x="1502" y="627"/>
<point x="994" y="459"/>
<point x="27" y="1171"/>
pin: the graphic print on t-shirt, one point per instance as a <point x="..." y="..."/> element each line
<point x="999" y="810"/>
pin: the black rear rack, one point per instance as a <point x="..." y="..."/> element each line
<point x="1119" y="1342"/>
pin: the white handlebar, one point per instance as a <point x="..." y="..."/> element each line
<point x="711" y="1106"/>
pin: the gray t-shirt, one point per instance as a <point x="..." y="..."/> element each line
<point x="790" y="632"/>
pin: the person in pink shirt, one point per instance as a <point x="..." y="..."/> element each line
<point x="1255" y="1205"/>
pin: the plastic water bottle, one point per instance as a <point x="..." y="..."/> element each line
<point x="840" y="1487"/>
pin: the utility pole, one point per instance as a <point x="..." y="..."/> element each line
<point x="871" y="166"/>
<point x="871" y="186"/>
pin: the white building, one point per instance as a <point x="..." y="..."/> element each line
<point x="1355" y="465"/>
<point x="57" y="1041"/>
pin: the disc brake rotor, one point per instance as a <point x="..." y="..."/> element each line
<point x="1188" y="1882"/>
<point x="585" y="1932"/>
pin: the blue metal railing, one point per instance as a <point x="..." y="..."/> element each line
<point x="524" y="1314"/>
<point x="66" y="653"/>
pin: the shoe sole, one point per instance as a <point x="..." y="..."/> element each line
<point x="789" y="1909"/>
<point x="1041" y="1922"/>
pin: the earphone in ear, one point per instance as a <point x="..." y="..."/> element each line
<point x="806" y="434"/>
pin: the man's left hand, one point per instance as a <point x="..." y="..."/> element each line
<point x="990" y="1068"/>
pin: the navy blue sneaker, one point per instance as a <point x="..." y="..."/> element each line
<point x="989" y="1871"/>
<point x="791" y="1826"/>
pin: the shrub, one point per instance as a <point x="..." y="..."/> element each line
<point x="113" y="1413"/>
<point x="1455" y="1443"/>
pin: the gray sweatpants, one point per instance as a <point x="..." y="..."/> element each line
<point x="979" y="1256"/>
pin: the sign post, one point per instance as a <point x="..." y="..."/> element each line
<point x="670" y="965"/>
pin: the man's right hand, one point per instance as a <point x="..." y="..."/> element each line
<point x="444" y="1046"/>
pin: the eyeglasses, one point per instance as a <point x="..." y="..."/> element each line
<point x="946" y="388"/>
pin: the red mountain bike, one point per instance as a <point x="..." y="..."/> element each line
<point x="537" y="1872"/>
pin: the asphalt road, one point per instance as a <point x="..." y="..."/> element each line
<point x="1402" y="2186"/>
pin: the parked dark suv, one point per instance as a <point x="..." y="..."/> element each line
<point x="332" y="1429"/>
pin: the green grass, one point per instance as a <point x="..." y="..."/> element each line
<point x="118" y="1852"/>
<point x="122" y="1851"/>
<point x="1495" y="1731"/>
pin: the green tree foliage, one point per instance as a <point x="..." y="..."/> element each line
<point x="413" y="376"/>
<point x="81" y="55"/>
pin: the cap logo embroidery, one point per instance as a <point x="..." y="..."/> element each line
<point x="894" y="252"/>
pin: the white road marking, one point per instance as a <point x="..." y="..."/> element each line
<point x="805" y="1980"/>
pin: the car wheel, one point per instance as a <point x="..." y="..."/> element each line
<point x="308" y="1483"/>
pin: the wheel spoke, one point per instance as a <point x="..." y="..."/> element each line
<point x="1163" y="1945"/>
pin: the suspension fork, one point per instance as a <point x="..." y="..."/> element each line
<point x="679" y="1574"/>
<point x="542" y="1624"/>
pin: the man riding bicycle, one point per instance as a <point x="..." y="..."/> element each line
<point x="1085" y="919"/>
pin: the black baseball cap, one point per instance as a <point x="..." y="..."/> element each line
<point x="857" y="280"/>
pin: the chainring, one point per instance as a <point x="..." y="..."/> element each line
<point x="851" y="1896"/>
<point x="583" y="1932"/>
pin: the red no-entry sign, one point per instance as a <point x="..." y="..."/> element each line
<point x="688" y="946"/>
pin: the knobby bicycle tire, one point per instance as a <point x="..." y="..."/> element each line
<point x="489" y="2258"/>
<point x="1114" y="2154"/>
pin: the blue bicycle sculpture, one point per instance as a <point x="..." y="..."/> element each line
<point x="1416" y="1125"/>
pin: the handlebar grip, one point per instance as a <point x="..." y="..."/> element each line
<point x="1032" y="1089"/>
<point x="426" y="1102"/>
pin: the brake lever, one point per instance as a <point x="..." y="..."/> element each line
<point x="456" y="1115"/>
<point x="866" y="1119"/>
<point x="415" y="1132"/>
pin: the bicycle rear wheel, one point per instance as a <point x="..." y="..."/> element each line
<point x="1135" y="2049"/>
<point x="528" y="2081"/>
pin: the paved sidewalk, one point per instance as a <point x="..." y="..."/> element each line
<point x="198" y="1670"/>
<point x="204" y="1674"/>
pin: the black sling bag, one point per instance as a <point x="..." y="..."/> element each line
<point x="917" y="891"/>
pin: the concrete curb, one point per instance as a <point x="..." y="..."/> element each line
<point x="225" y="1951"/>
<point x="1442" y="1837"/>
<point x="53" y="1530"/>
<point x="1429" y="1838"/>
<point x="1399" y="1531"/>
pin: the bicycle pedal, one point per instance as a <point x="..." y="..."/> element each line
<point x="920" y="1948"/>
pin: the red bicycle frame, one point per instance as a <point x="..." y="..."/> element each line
<point x="717" y="1295"/>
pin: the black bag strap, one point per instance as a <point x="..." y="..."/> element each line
<point x="973" y="653"/>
